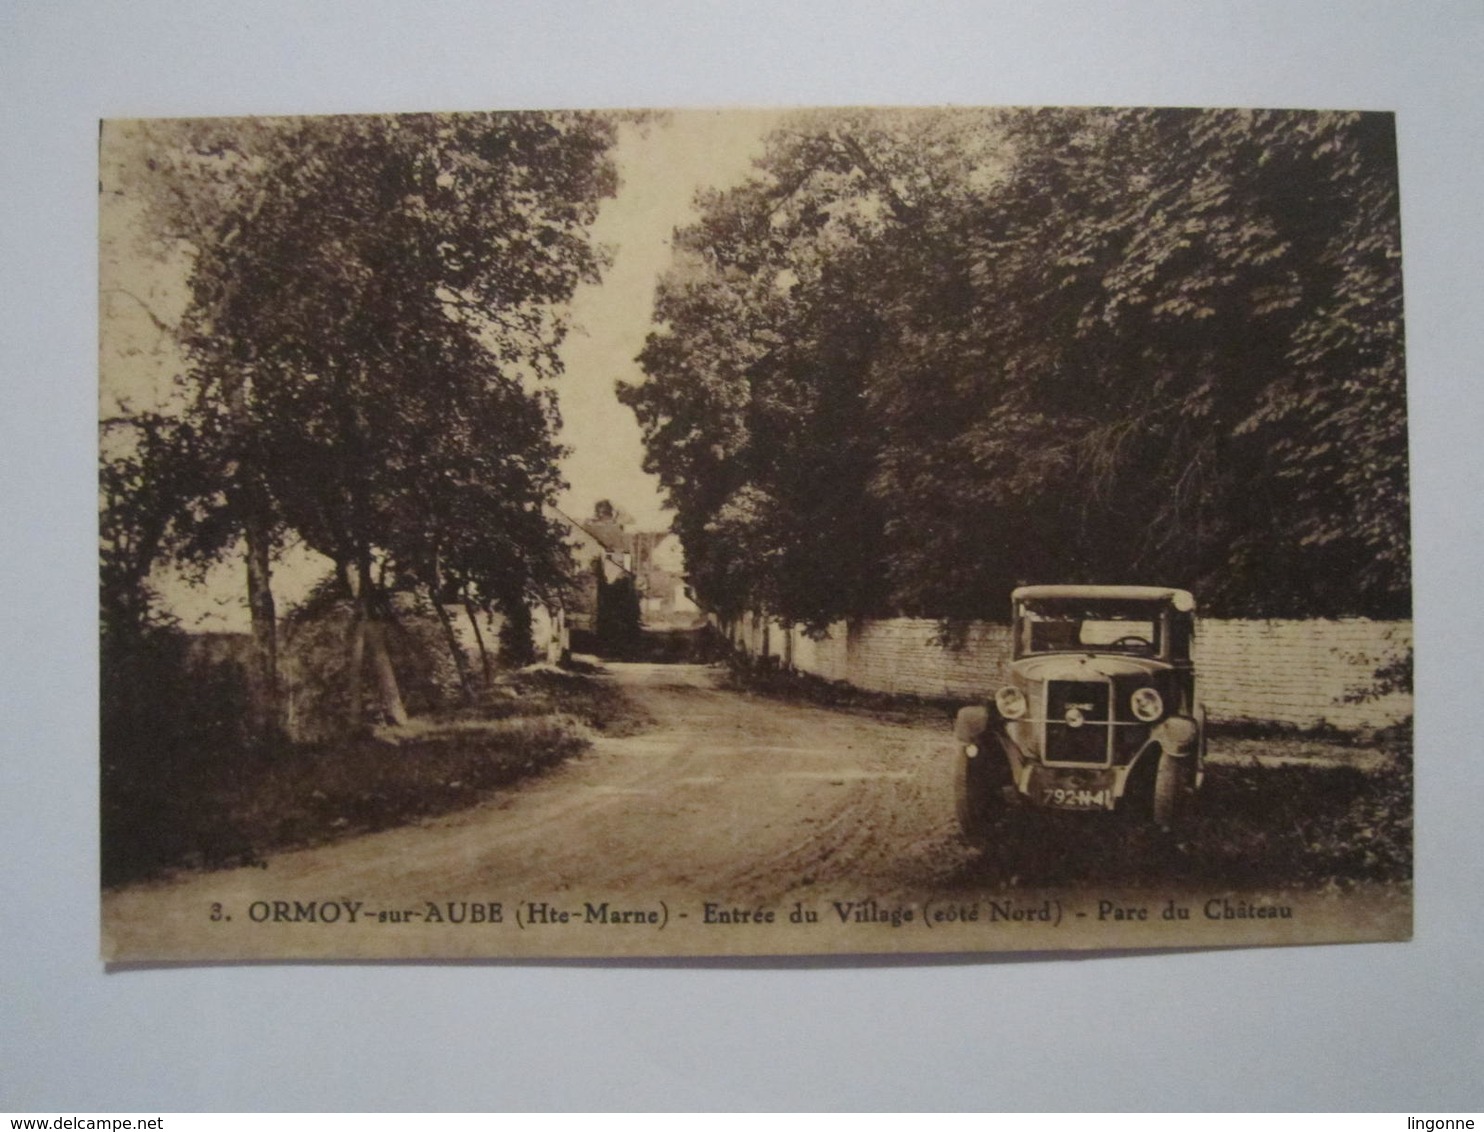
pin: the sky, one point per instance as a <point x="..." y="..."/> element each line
<point x="661" y="166"/>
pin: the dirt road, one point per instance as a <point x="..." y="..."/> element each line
<point x="730" y="810"/>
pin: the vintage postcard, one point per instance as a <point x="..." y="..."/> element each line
<point x="721" y="533"/>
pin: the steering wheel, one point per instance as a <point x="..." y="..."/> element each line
<point x="1131" y="639"/>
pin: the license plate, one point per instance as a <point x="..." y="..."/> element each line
<point x="1074" y="798"/>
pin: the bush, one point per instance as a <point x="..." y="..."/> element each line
<point x="173" y="799"/>
<point x="314" y="658"/>
<point x="165" y="718"/>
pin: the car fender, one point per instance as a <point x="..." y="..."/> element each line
<point x="971" y="724"/>
<point x="1178" y="735"/>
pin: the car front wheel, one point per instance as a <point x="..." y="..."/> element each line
<point x="1174" y="783"/>
<point x="978" y="788"/>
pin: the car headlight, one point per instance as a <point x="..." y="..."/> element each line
<point x="1011" y="702"/>
<point x="1147" y="704"/>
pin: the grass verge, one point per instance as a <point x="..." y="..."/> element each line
<point x="1277" y="827"/>
<point x="217" y="807"/>
<point x="804" y="687"/>
<point x="1284" y="813"/>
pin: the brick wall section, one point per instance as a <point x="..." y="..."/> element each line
<point x="1300" y="672"/>
<point x="903" y="655"/>
<point x="1289" y="672"/>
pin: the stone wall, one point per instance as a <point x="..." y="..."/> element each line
<point x="1297" y="673"/>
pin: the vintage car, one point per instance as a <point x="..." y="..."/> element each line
<point x="1100" y="712"/>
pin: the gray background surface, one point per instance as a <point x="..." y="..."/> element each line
<point x="1369" y="1027"/>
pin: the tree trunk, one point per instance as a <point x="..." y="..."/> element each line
<point x="456" y="650"/>
<point x="374" y="632"/>
<point x="355" y="650"/>
<point x="386" y="676"/>
<point x="264" y="710"/>
<point x="250" y="498"/>
<point x="484" y="653"/>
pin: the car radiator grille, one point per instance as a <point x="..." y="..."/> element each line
<point x="1087" y="743"/>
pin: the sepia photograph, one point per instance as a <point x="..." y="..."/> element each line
<point x="813" y="532"/>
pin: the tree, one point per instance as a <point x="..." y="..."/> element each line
<point x="189" y="182"/>
<point x="374" y="307"/>
<point x="1147" y="281"/>
<point x="755" y="408"/>
<point x="918" y="359"/>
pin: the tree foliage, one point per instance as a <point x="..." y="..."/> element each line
<point x="387" y="310"/>
<point x="375" y="307"/>
<point x="920" y="357"/>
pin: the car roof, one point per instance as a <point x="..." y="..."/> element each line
<point x="1181" y="599"/>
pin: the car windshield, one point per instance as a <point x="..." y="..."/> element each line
<point x="1091" y="626"/>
